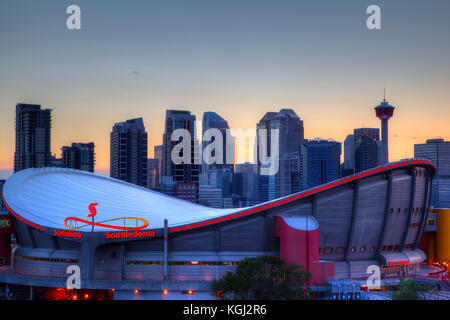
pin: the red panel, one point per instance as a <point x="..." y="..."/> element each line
<point x="301" y="247"/>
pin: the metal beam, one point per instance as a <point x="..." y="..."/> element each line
<point x="426" y="203"/>
<point x="122" y="259"/>
<point x="411" y="209"/>
<point x="166" y="248"/>
<point x="386" y="215"/>
<point x="218" y="238"/>
<point x="266" y="231"/>
<point x="314" y="206"/>
<point x="354" y="215"/>
<point x="30" y="232"/>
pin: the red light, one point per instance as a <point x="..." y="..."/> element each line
<point x="136" y="291"/>
<point x="86" y="296"/>
<point x="74" y="297"/>
<point x="190" y="292"/>
<point x="165" y="291"/>
<point x="113" y="289"/>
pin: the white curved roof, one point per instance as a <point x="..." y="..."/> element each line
<point x="47" y="196"/>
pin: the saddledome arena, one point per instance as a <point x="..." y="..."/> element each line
<point x="142" y="242"/>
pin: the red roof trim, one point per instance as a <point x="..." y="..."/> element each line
<point x="302" y="194"/>
<point x="268" y="205"/>
<point x="20" y="218"/>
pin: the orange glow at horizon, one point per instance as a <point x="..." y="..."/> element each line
<point x="409" y="125"/>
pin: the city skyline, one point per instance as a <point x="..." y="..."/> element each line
<point x="226" y="59"/>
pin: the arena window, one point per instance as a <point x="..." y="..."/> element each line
<point x="40" y="259"/>
<point x="183" y="263"/>
<point x="340" y="250"/>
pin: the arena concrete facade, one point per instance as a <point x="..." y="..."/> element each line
<point x="374" y="217"/>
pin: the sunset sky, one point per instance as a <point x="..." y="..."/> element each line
<point x="238" y="58"/>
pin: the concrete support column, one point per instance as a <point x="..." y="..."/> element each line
<point x="166" y="248"/>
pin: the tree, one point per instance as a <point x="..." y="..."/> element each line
<point x="263" y="277"/>
<point x="409" y="290"/>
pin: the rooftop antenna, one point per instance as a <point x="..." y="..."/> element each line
<point x="384" y="93"/>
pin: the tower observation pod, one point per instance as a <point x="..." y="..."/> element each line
<point x="384" y="112"/>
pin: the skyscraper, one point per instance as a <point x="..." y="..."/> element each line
<point x="320" y="161"/>
<point x="366" y="148"/>
<point x="287" y="180"/>
<point x="245" y="181"/>
<point x="349" y="153"/>
<point x="384" y="112"/>
<point x="129" y="152"/>
<point x="33" y="128"/>
<point x="186" y="175"/>
<point x="152" y="173"/>
<point x="158" y="155"/>
<point x="437" y="151"/>
<point x="212" y="120"/>
<point x="291" y="136"/>
<point x="79" y="156"/>
<point x="264" y="124"/>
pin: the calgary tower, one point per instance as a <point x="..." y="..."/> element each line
<point x="384" y="111"/>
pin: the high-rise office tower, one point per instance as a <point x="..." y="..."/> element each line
<point x="287" y="180"/>
<point x="320" y="161"/>
<point x="129" y="152"/>
<point x="366" y="148"/>
<point x="184" y="175"/>
<point x="264" y="123"/>
<point x="212" y="120"/>
<point x="437" y="151"/>
<point x="152" y="173"/>
<point x="79" y="156"/>
<point x="291" y="136"/>
<point x="348" y="166"/>
<point x="245" y="181"/>
<point x="384" y="112"/>
<point x="158" y="155"/>
<point x="33" y="128"/>
<point x="349" y="153"/>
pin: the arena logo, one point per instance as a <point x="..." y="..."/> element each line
<point x="126" y="234"/>
<point x="71" y="223"/>
<point x="65" y="233"/>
